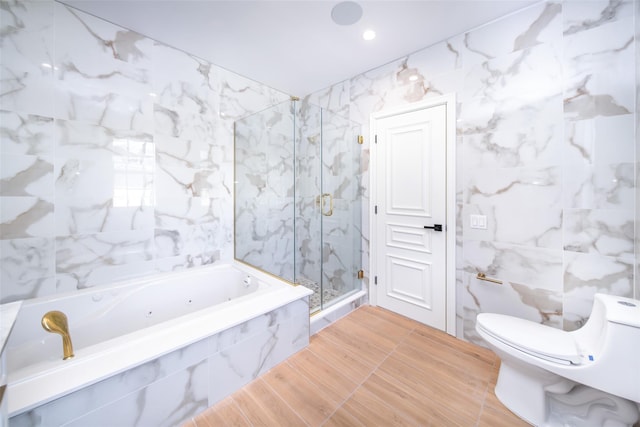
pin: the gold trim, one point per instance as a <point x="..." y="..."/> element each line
<point x="330" y="211"/>
<point x="295" y="98"/>
<point x="288" y="282"/>
<point x="360" y="139"/>
<point x="360" y="274"/>
<point x="482" y="276"/>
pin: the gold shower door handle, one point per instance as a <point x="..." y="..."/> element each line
<point x="330" y="211"/>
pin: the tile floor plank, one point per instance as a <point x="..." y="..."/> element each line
<point x="263" y="407"/>
<point x="348" y="363"/>
<point x="327" y="377"/>
<point x="342" y="418"/>
<point x="372" y="368"/>
<point x="310" y="403"/>
<point x="222" y="414"/>
<point x="371" y="351"/>
<point x="370" y="410"/>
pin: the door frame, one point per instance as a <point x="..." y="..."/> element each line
<point x="450" y="193"/>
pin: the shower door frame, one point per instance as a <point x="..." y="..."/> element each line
<point x="324" y="197"/>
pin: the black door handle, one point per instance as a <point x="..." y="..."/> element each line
<point x="435" y="227"/>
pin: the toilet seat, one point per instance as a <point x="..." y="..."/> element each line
<point x="537" y="340"/>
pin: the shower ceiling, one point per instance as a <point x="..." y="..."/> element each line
<point x="295" y="46"/>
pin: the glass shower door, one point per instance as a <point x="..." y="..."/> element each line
<point x="328" y="205"/>
<point x="340" y="209"/>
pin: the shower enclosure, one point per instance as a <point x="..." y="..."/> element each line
<point x="297" y="198"/>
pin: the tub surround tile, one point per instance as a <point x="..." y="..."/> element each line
<point x="28" y="266"/>
<point x="24" y="217"/>
<point x="27" y="72"/>
<point x="177" y="386"/>
<point x="86" y="260"/>
<point x="92" y="57"/>
<point x="167" y="402"/>
<point x="28" y="176"/>
<point x="95" y="119"/>
<point x="122" y="389"/>
<point x="104" y="179"/>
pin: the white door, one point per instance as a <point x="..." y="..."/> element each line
<point x="410" y="201"/>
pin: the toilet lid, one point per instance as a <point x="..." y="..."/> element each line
<point x="538" y="340"/>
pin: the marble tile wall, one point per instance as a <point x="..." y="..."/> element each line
<point x="545" y="142"/>
<point x="115" y="164"/>
<point x="264" y="198"/>
<point x="637" y="217"/>
<point x="117" y="152"/>
<point x="287" y="156"/>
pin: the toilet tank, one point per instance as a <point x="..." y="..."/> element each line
<point x="612" y="337"/>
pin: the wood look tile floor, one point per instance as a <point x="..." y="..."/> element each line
<point x="371" y="368"/>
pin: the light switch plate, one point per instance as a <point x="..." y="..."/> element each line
<point x="478" y="221"/>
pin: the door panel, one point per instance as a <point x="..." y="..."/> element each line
<point x="409" y="277"/>
<point x="406" y="237"/>
<point x="411" y="194"/>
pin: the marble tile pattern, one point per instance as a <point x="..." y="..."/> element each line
<point x="546" y="115"/>
<point x="636" y="14"/>
<point x="173" y="388"/>
<point x="282" y="222"/>
<point x="116" y="152"/>
<point x="545" y="144"/>
<point x="264" y="198"/>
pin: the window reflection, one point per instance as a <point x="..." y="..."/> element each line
<point x="133" y="166"/>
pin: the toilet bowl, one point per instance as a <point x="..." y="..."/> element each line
<point x="541" y="366"/>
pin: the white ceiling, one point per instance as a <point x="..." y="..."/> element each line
<point x="295" y="46"/>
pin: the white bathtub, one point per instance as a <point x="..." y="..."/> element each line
<point x="116" y="328"/>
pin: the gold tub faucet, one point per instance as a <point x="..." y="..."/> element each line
<point x="56" y="322"/>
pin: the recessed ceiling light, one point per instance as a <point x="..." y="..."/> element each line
<point x="346" y="13"/>
<point x="369" y="35"/>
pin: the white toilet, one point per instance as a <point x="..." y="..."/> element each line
<point x="588" y="377"/>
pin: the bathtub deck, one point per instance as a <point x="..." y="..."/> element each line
<point x="371" y="368"/>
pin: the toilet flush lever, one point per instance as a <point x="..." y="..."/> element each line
<point x="434" y="227"/>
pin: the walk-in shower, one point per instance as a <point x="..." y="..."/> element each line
<point x="297" y="198"/>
